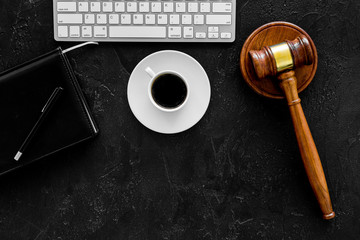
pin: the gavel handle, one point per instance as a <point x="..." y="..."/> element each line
<point x="309" y="153"/>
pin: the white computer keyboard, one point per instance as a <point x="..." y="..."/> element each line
<point x="145" y="21"/>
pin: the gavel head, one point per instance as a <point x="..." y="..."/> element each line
<point x="273" y="60"/>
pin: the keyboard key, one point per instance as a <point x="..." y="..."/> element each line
<point x="213" y="29"/>
<point x="95" y="6"/>
<point x="144" y="7"/>
<point x="138" y="19"/>
<point x="193" y="7"/>
<point x="114" y="18"/>
<point x="222" y="7"/>
<point x="174" y="32"/>
<point x="218" y="19"/>
<point x="225" y="35"/>
<point x="188" y="32"/>
<point x="186" y="19"/>
<point x="150" y="19"/>
<point x="131" y="6"/>
<point x="199" y="19"/>
<point x="205" y="7"/>
<point x="119" y="7"/>
<point x="137" y="32"/>
<point x="125" y="19"/>
<point x="101" y="19"/>
<point x="74" y="31"/>
<point x="162" y="19"/>
<point x="200" y="35"/>
<point x="180" y="7"/>
<point x="89" y="19"/>
<point x="168" y="7"/>
<point x="70" y="18"/>
<point x="86" y="31"/>
<point x="174" y="19"/>
<point x="83" y="6"/>
<point x="213" y="35"/>
<point x="66" y="6"/>
<point x="156" y="7"/>
<point x="63" y="32"/>
<point x="100" y="31"/>
<point x="107" y="6"/>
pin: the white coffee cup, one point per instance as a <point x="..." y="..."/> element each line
<point x="154" y="76"/>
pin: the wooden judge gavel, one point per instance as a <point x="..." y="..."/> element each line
<point x="280" y="61"/>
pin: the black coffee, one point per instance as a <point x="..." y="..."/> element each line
<point x="169" y="90"/>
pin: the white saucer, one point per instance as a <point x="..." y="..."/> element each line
<point x="186" y="117"/>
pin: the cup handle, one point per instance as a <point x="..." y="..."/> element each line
<point x="150" y="72"/>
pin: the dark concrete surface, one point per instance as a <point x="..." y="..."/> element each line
<point x="235" y="175"/>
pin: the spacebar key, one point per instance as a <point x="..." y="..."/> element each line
<point x="137" y="32"/>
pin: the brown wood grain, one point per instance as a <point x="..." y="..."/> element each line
<point x="258" y="66"/>
<point x="308" y="151"/>
<point x="268" y="35"/>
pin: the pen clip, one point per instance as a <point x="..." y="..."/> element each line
<point x="78" y="46"/>
<point x="52" y="97"/>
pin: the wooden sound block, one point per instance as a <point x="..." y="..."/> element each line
<point x="268" y="35"/>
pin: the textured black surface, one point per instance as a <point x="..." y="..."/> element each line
<point x="235" y="175"/>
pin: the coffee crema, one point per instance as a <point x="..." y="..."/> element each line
<point x="169" y="90"/>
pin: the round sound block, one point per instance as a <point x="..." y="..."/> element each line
<point x="268" y="35"/>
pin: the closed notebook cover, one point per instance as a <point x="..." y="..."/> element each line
<point x="24" y="90"/>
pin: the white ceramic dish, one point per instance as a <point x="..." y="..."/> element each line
<point x="169" y="122"/>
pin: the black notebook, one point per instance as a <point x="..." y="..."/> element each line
<point x="23" y="92"/>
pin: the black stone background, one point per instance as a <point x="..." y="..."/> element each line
<point x="236" y="175"/>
